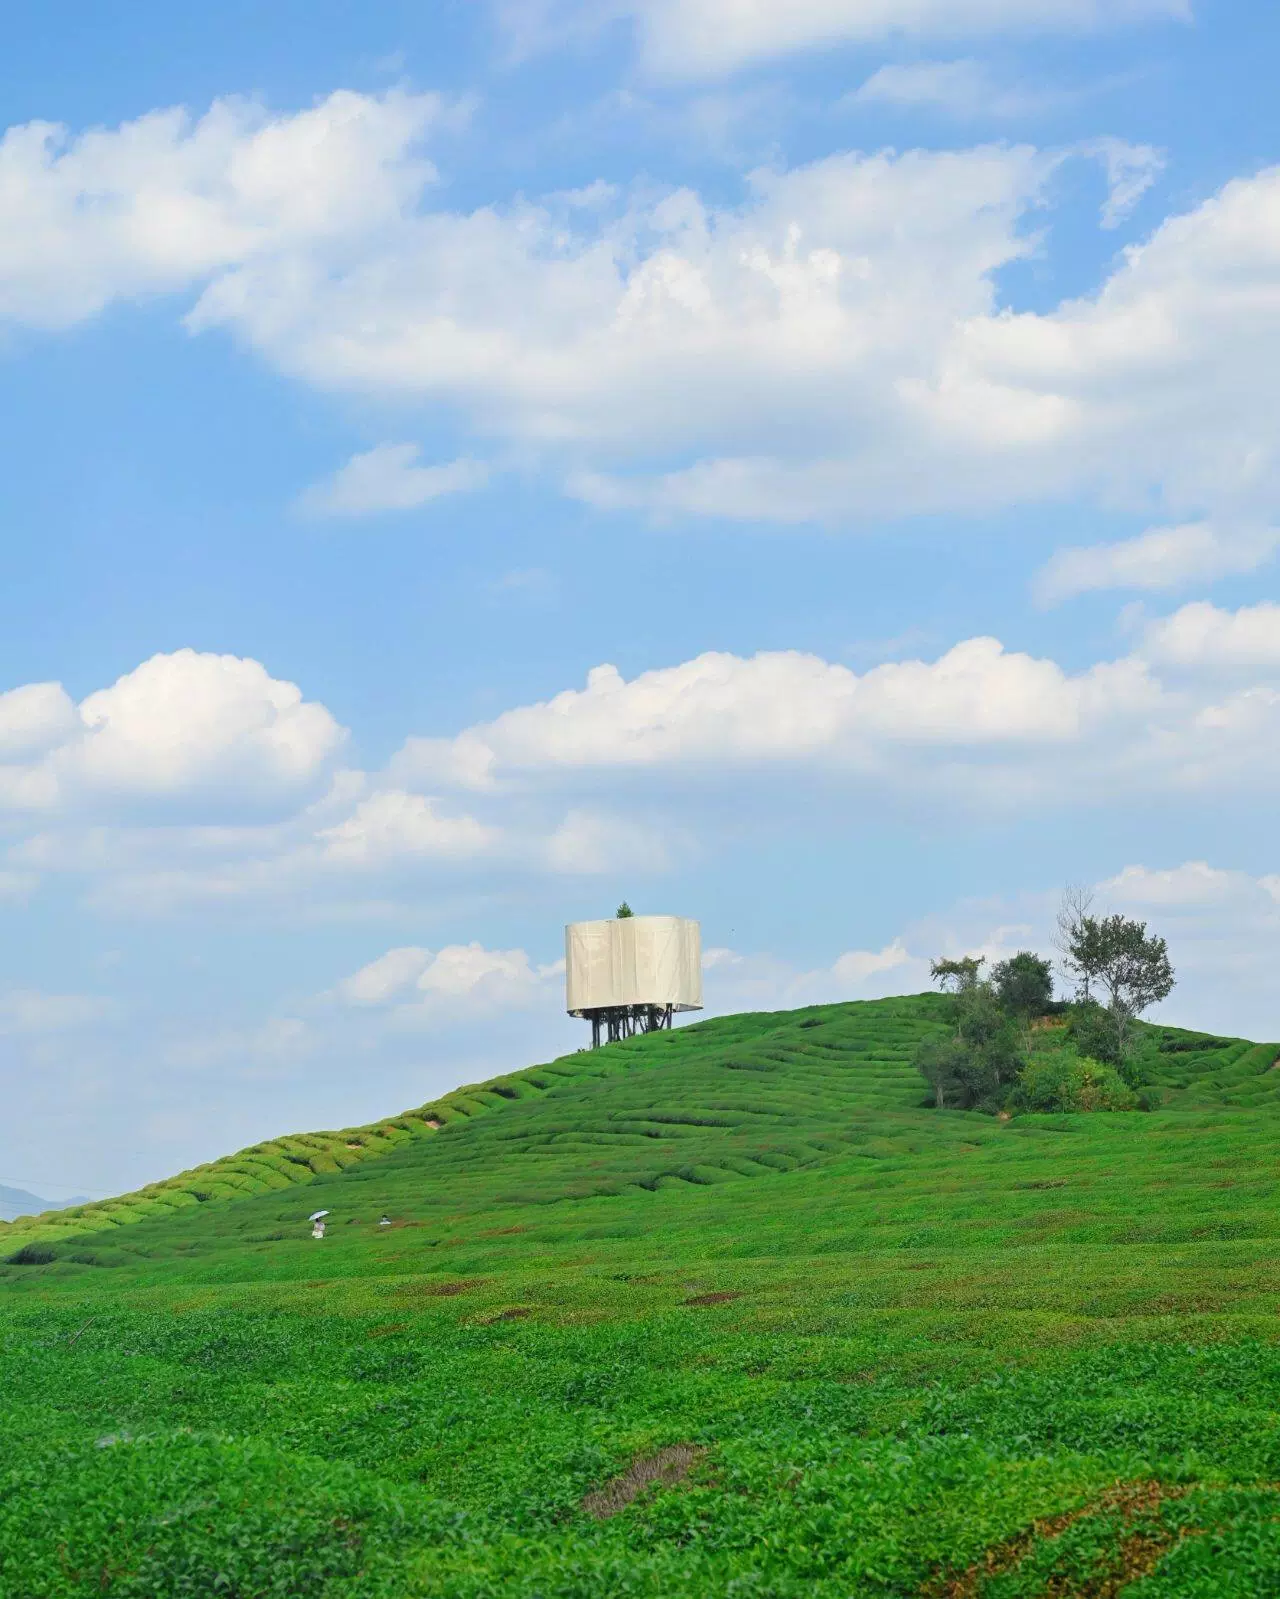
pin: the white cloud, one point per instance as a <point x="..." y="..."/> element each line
<point x="384" y="978"/>
<point x="735" y="981"/>
<point x="179" y="726"/>
<point x="722" y="709"/>
<point x="1201" y="635"/>
<point x="34" y="718"/>
<point x="457" y="977"/>
<point x="163" y="202"/>
<point x="391" y="824"/>
<point x="189" y="721"/>
<point x="1160" y="386"/>
<point x="1131" y="170"/>
<point x="708" y="38"/>
<point x="857" y="966"/>
<point x="645" y="328"/>
<point x="958" y="88"/>
<point x="834" y="346"/>
<point x="1192" y="884"/>
<point x="1161" y="558"/>
<point x="390" y="478"/>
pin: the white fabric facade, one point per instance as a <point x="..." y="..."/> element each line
<point x="635" y="960"/>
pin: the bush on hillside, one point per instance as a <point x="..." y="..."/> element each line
<point x="984" y="1065"/>
<point x="1064" y="1082"/>
<point x="1093" y="1031"/>
<point x="32" y="1255"/>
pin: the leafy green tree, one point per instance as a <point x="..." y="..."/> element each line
<point x="979" y="1064"/>
<point x="1023" y="986"/>
<point x="993" y="1040"/>
<point x="623" y="911"/>
<point x="945" y="1065"/>
<point x="1130" y="965"/>
<point x="958" y="976"/>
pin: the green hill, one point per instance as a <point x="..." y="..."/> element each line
<point x="725" y="1311"/>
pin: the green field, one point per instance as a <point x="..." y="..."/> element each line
<point x="728" y="1311"/>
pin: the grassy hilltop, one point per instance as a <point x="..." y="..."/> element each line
<point x="727" y="1311"/>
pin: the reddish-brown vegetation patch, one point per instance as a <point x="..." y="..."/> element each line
<point x="712" y="1299"/>
<point x="448" y="1290"/>
<point x="666" y="1468"/>
<point x="1136" y="1555"/>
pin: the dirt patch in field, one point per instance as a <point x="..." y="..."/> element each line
<point x="448" y="1290"/>
<point x="1136" y="1556"/>
<point x="712" y="1299"/>
<point x="388" y="1328"/>
<point x="664" y="1469"/>
<point x="516" y="1313"/>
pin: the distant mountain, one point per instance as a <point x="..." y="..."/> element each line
<point x="15" y="1202"/>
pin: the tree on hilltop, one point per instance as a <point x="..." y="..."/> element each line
<point x="1131" y="965"/>
<point x="958" y="976"/>
<point x="1115" y="956"/>
<point x="623" y="911"/>
<point x="1024" y="985"/>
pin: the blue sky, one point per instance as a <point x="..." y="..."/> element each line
<point x="810" y="468"/>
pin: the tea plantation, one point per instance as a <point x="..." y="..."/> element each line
<point x="728" y="1311"/>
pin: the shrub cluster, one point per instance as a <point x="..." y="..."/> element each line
<point x="989" y="1063"/>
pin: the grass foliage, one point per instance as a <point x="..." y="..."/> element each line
<point x="729" y="1311"/>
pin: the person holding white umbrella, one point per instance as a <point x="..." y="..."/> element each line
<point x="317" y="1223"/>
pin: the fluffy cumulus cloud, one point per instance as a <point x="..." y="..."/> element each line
<point x="390" y="477"/>
<point x="1202" y="635"/>
<point x="709" y="38"/>
<point x="834" y="345"/>
<point x="460" y="977"/>
<point x="1189" y="887"/>
<point x="723" y="709"/>
<point x="392" y="825"/>
<point x="615" y="332"/>
<point x="202" y="777"/>
<point x="166" y="202"/>
<point x="980" y="720"/>
<point x="184" y="727"/>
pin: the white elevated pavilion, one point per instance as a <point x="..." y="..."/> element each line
<point x="630" y="974"/>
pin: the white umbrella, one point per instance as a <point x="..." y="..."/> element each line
<point x="316" y="1215"/>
